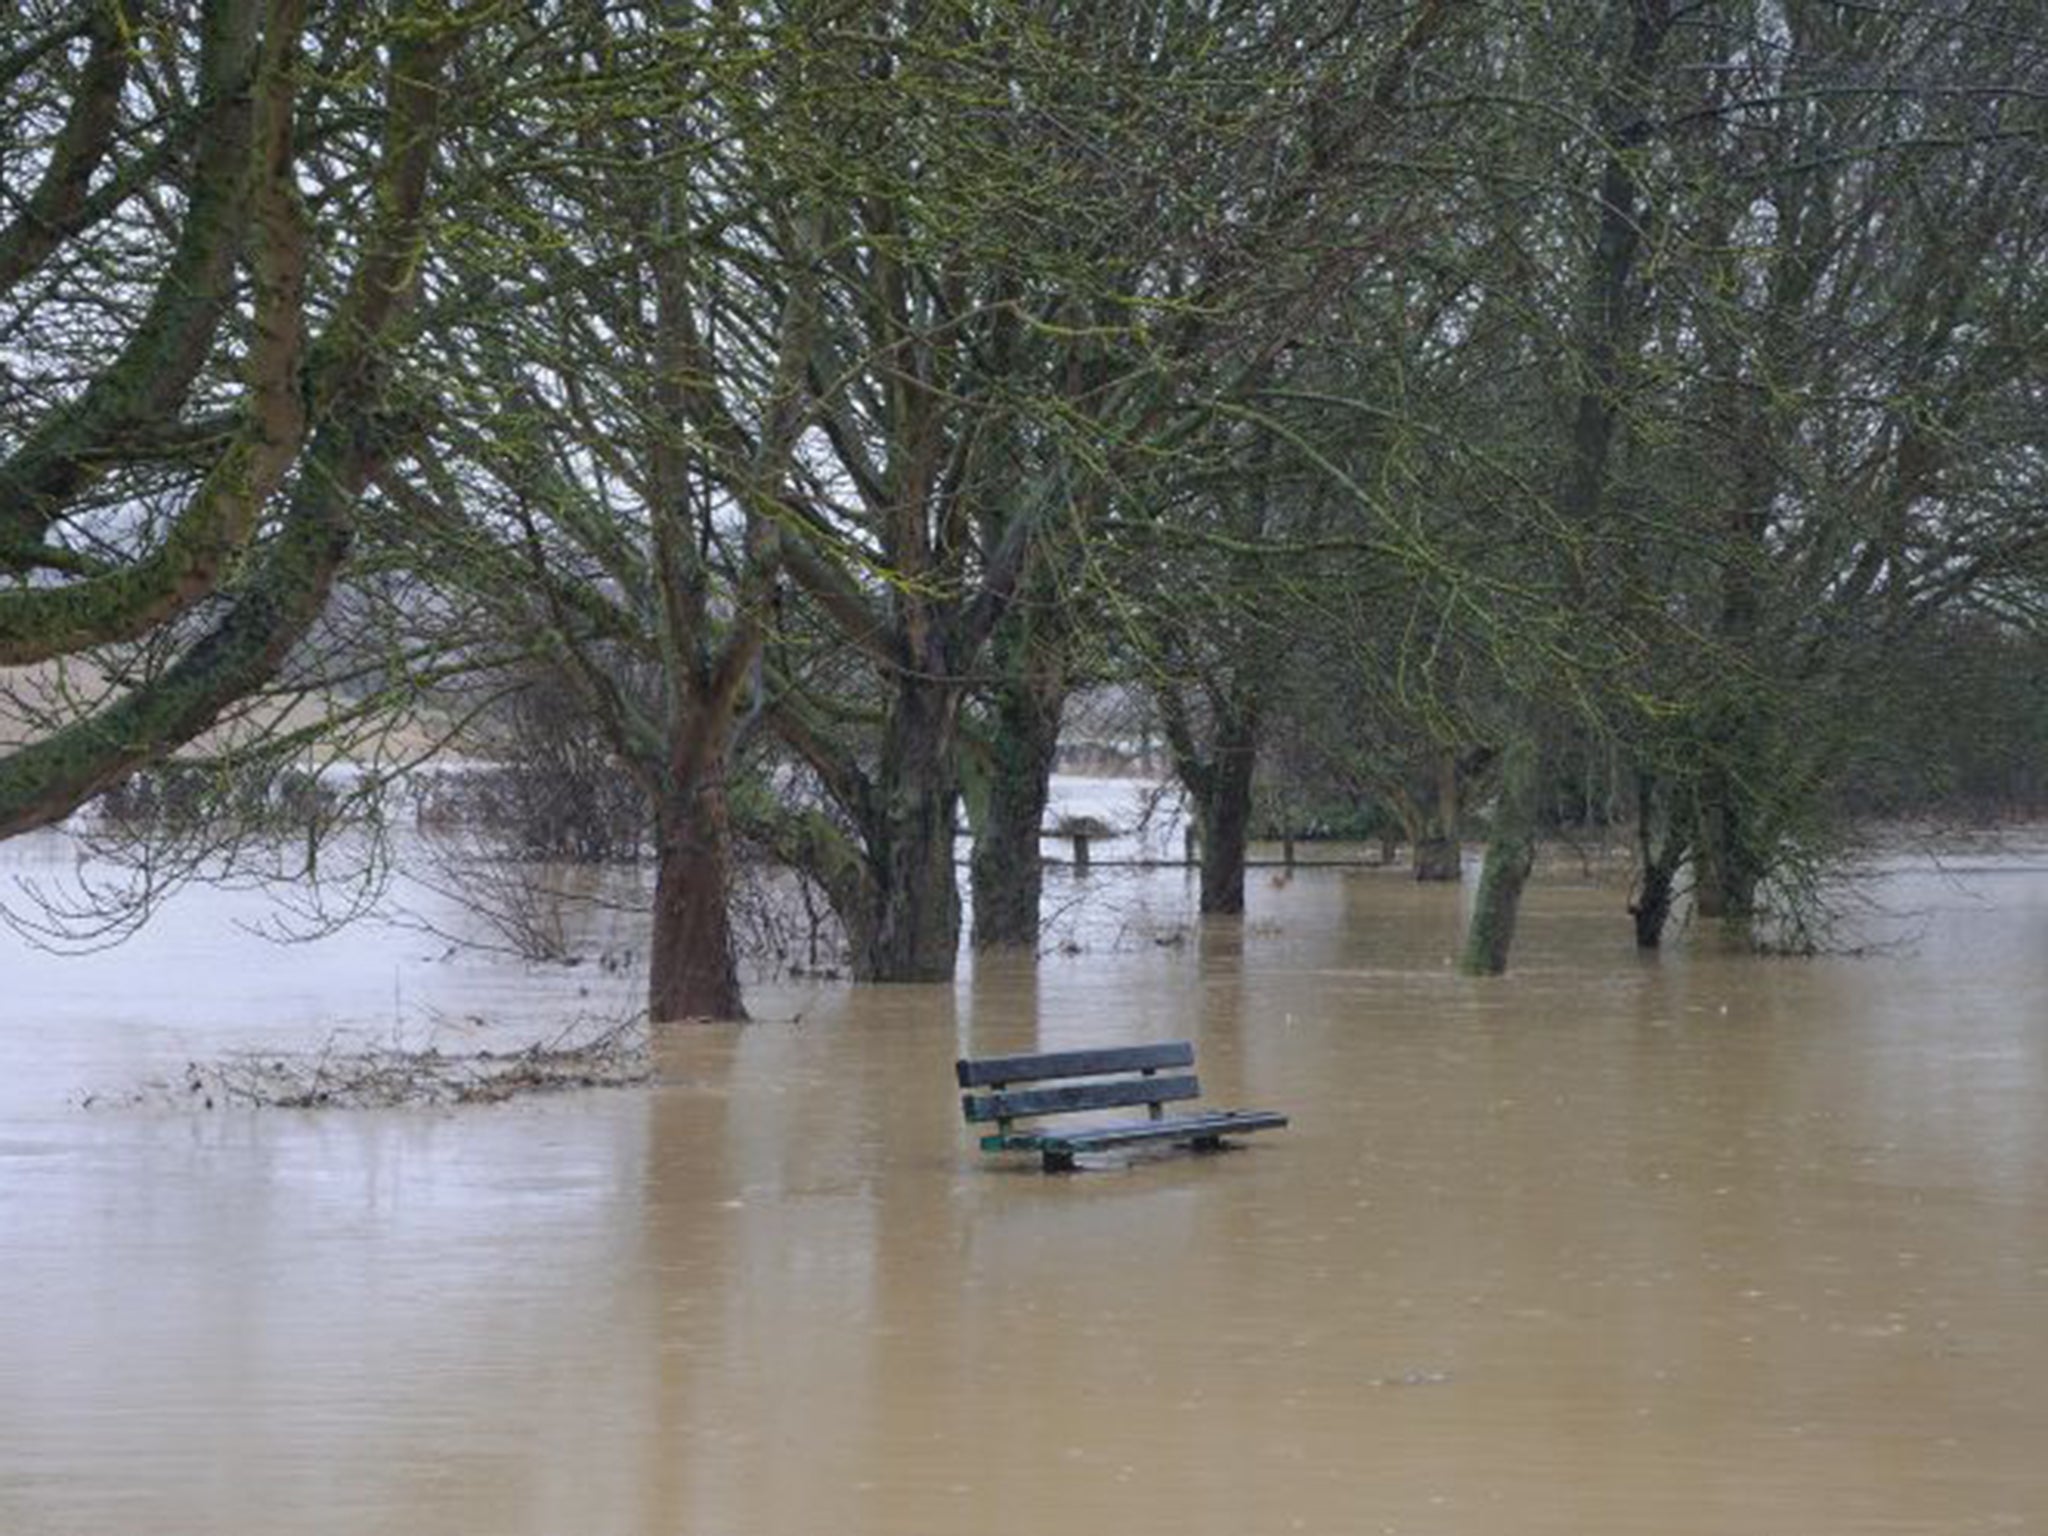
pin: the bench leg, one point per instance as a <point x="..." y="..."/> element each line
<point x="1059" y="1162"/>
<point x="1207" y="1144"/>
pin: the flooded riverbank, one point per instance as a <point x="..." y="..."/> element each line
<point x="1698" y="1244"/>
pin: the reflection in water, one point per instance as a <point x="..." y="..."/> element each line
<point x="1693" y="1245"/>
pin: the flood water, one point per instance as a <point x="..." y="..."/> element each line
<point x="1698" y="1244"/>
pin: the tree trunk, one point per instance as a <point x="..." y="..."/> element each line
<point x="1661" y="849"/>
<point x="1438" y="855"/>
<point x="1730" y="867"/>
<point x="1438" y="858"/>
<point x="693" y="972"/>
<point x="1008" y="870"/>
<point x="1008" y="867"/>
<point x="912" y="931"/>
<point x="1734" y="854"/>
<point x="1510" y="855"/>
<point x="1224" y="819"/>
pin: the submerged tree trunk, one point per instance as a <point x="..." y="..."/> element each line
<point x="693" y="970"/>
<point x="1438" y="855"/>
<point x="1009" y="874"/>
<point x="1439" y="858"/>
<point x="1661" y="849"/>
<point x="1224" y="818"/>
<point x="1731" y="863"/>
<point x="1510" y="855"/>
<point x="911" y="930"/>
<point x="1734" y="850"/>
<point x="1220" y="785"/>
<point x="1008" y="871"/>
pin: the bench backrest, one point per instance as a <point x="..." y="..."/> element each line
<point x="1104" y="1088"/>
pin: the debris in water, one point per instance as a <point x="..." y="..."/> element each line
<point x="342" y="1074"/>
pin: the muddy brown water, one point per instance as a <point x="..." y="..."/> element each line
<point x="1690" y="1245"/>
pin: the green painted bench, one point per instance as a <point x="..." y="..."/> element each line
<point x="1071" y="1082"/>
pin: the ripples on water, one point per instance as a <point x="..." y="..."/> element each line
<point x="1689" y="1245"/>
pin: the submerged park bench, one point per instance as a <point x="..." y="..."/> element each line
<point x="1115" y="1078"/>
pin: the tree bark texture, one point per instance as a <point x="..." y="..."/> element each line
<point x="1008" y="869"/>
<point x="1733" y="854"/>
<point x="911" y="929"/>
<point x="692" y="971"/>
<point x="1224" y="817"/>
<point x="1510" y="856"/>
<point x="60" y="201"/>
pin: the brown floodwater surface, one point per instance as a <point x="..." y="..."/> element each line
<point x="1613" y="1246"/>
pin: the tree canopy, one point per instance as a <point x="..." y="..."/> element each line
<point x="1425" y="401"/>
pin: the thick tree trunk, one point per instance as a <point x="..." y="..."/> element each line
<point x="693" y="970"/>
<point x="911" y="931"/>
<point x="1224" y="820"/>
<point x="1008" y="870"/>
<point x="1510" y="855"/>
<point x="1651" y="909"/>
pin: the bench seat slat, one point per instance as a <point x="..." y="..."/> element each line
<point x="1173" y="1128"/>
<point x="1071" y="1098"/>
<point x="981" y="1072"/>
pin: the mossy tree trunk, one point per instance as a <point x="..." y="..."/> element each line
<point x="1510" y="856"/>
<point x="1734" y="853"/>
<point x="913" y="933"/>
<point x="1025" y="705"/>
